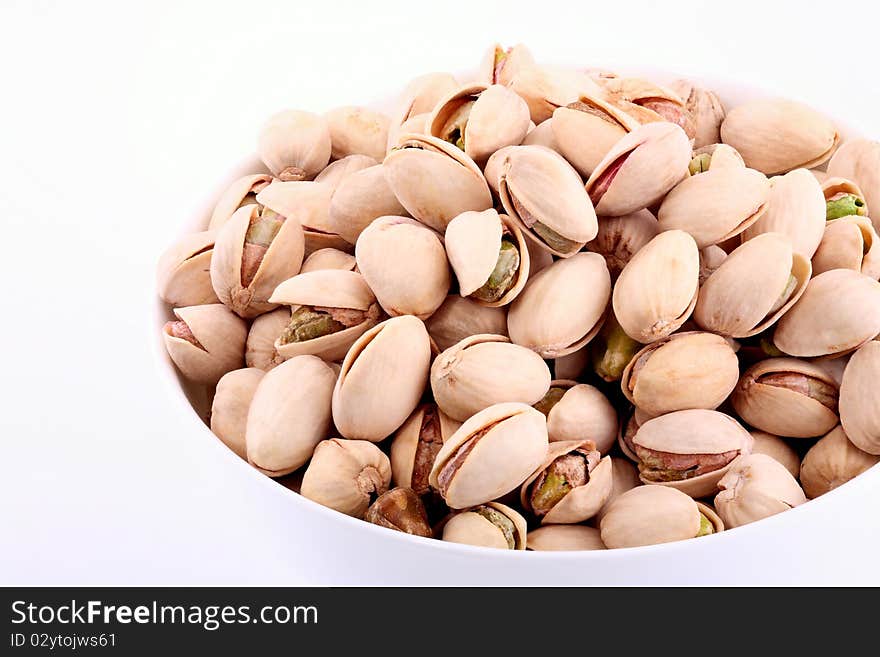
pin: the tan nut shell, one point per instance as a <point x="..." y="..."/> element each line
<point x="781" y="411"/>
<point x="722" y="156"/>
<point x="289" y="415"/>
<point x="859" y="409"/>
<point x="572" y="365"/>
<point x="583" y="413"/>
<point x="307" y="202"/>
<point x="406" y="442"/>
<point x="265" y="329"/>
<point x="832" y="462"/>
<point x="657" y="290"/>
<point x="473" y="529"/>
<point x="281" y="261"/>
<point x="705" y="108"/>
<point x="328" y="259"/>
<point x="695" y="431"/>
<point x="833" y="185"/>
<point x="221" y="332"/>
<point x="858" y="160"/>
<point x="838" y="313"/>
<point x="184" y="271"/>
<point x="545" y="88"/>
<point x="382" y="379"/>
<point x="737" y="298"/>
<point x="711" y="258"/>
<point x="625" y="476"/>
<point x="685" y="370"/>
<point x="514" y="445"/>
<point x="415" y="280"/>
<point x="561" y="308"/>
<point x="241" y="192"/>
<point x="795" y="208"/>
<point x="339" y="170"/>
<point x="472" y="241"/>
<point x="342" y="474"/>
<point x="297" y="141"/>
<point x="775" y="447"/>
<point x="483" y="370"/>
<point x="849" y="243"/>
<point x="657" y="159"/>
<point x="564" y="538"/>
<point x="417" y="100"/>
<point x="648" y="515"/>
<point x="434" y="180"/>
<point x="229" y="410"/>
<point x="582" y="502"/>
<point x="359" y="199"/>
<point x="357" y="130"/>
<point x="756" y="487"/>
<point x="459" y="318"/>
<point x="498" y="65"/>
<point x="551" y="192"/>
<point x="540" y="135"/>
<point x="775" y="135"/>
<point x="716" y="205"/>
<point x="620" y="238"/>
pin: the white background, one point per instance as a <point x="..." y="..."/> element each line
<point x="117" y="118"/>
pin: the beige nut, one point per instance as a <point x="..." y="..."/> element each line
<point x="564" y="538"/>
<point x="416" y="444"/>
<point x="831" y="462"/>
<point x="459" y="318"/>
<point x="491" y="525"/>
<point x="756" y="487"/>
<point x="242" y="191"/>
<point x="546" y="88"/>
<point x="499" y="65"/>
<point x="341" y="169"/>
<point x="328" y="259"/>
<point x="357" y="130"/>
<point x="578" y="411"/>
<point x="648" y="515"/>
<point x="849" y="243"/>
<point x="416" y="102"/>
<point x="294" y="145"/>
<point x="229" y="410"/>
<point x="625" y="476"/>
<point x="184" y="271"/>
<point x="205" y="342"/>
<point x="359" y="199"/>
<point x="705" y="109"/>
<point x="859" y="412"/>
<point x="260" y="351"/>
<point x="776" y="447"/>
<point x="402" y="510"/>
<point x="620" y="238"/>
<point x="858" y="160"/>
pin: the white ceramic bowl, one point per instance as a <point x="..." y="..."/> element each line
<point x="326" y="547"/>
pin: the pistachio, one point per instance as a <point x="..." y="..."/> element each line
<point x="229" y="410"/>
<point x="564" y="537"/>
<point x="711" y="259"/>
<point x="541" y="135"/>
<point x="545" y="88"/>
<point x="260" y="351"/>
<point x="859" y="413"/>
<point x="832" y="462"/>
<point x="612" y="350"/>
<point x="416" y="444"/>
<point x="578" y="411"/>
<point x="620" y="238"/>
<point x="184" y="277"/>
<point x="849" y="243"/>
<point x="357" y="130"/>
<point x="499" y="65"/>
<point x="341" y="169"/>
<point x="419" y="97"/>
<point x="706" y="110"/>
<point x="858" y="160"/>
<point x="459" y="318"/>
<point x="487" y="525"/>
<point x="205" y="342"/>
<point x="294" y="145"/>
<point x="624" y="477"/>
<point x="243" y="191"/>
<point x="328" y="259"/>
<point x="756" y="487"/>
<point x="402" y="510"/>
<point x="699" y="163"/>
<point x="361" y="198"/>
<point x="648" y="515"/>
<point x="844" y="205"/>
<point x="650" y="102"/>
<point x="775" y="447"/>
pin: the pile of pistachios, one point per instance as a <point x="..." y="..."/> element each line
<point x="542" y="309"/>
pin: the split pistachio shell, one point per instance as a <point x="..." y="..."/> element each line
<point x="849" y="243"/>
<point x="640" y="169"/>
<point x="345" y="475"/>
<point x="413" y="282"/>
<point x="705" y="109"/>
<point x="685" y="370"/>
<point x="859" y="410"/>
<point x="480" y="119"/>
<point x="545" y="197"/>
<point x="206" y="342"/>
<point x="754" y="286"/>
<point x="339" y="170"/>
<point x="831" y="462"/>
<point x="689" y="450"/>
<point x="795" y="208"/>
<point x="184" y="271"/>
<point x="400" y="509"/>
<point x="491" y="454"/>
<point x="294" y="145"/>
<point x="571" y="502"/>
<point x="630" y="422"/>
<point x="459" y="318"/>
<point x="649" y="101"/>
<point x="716" y="205"/>
<point x="838" y="313"/>
<point x="541" y="135"/>
<point x="858" y="160"/>
<point x="491" y="525"/>
<point x="474" y="246"/>
<point x="561" y="309"/>
<point x="842" y="198"/>
<point x="341" y="296"/>
<point x="564" y="538"/>
<point x="620" y="238"/>
<point x="359" y="199"/>
<point x="241" y="286"/>
<point x="775" y="135"/>
<point x="328" y="259"/>
<point x="260" y="351"/>
<point x="434" y="180"/>
<point x="714" y="157"/>
<point x="229" y="411"/>
<point x="492" y="169"/>
<point x="498" y="65"/>
<point x="242" y="191"/>
<point x="483" y="370"/>
<point x="756" y="487"/>
<point x="624" y="476"/>
<point x="775" y="447"/>
<point x="416" y="444"/>
<point x="582" y="412"/>
<point x="545" y="88"/>
<point x="657" y="289"/>
<point x="787" y="397"/>
<point x="648" y="515"/>
<point x="382" y="379"/>
<point x="357" y="130"/>
<point x="289" y="415"/>
<point x="417" y="101"/>
<point x="612" y="350"/>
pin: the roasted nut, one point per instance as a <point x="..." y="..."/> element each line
<point x="459" y="318"/>
<point x="573" y="365"/>
<point x="620" y="238"/>
<point x="498" y="65"/>
<point x="295" y="145"/>
<point x="649" y="101"/>
<point x="858" y="160"/>
<point x="705" y="109"/>
<point x="339" y="170"/>
<point x="612" y="350"/>
<point x="624" y="477"/>
<point x="260" y="350"/>
<point x="359" y="199"/>
<point x="831" y="462"/>
<point x="545" y="88"/>
<point x="205" y="342"/>
<point x="402" y="510"/>
<point x="184" y="277"/>
<point x="416" y="444"/>
<point x="419" y="97"/>
<point x="849" y="243"/>
<point x="577" y="411"/>
<point x="357" y="130"/>
<point x="241" y="192"/>
<point x="328" y="259"/>
<point x="775" y="447"/>
<point x="859" y="411"/>
<point x="648" y="515"/>
<point x="843" y="198"/>
<point x="491" y="525"/>
<point x="756" y="487"/>
<point x="564" y="537"/>
<point x="229" y="411"/>
<point x="540" y="135"/>
<point x="711" y="258"/>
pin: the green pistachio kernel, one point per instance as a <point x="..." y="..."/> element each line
<point x="706" y="526"/>
<point x="554" y="487"/>
<point x="264" y="228"/>
<point x="844" y="206"/>
<point x="454" y="128"/>
<point x="783" y="298"/>
<point x="550" y="400"/>
<point x="502" y="277"/>
<point x="501" y="521"/>
<point x="612" y="350"/>
<point x="307" y="324"/>
<point x="700" y="163"/>
<point x="553" y="239"/>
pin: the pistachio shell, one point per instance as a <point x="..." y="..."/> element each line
<point x="711" y="258"/>
<point x="716" y="205"/>
<point x="472" y="528"/>
<point x="832" y="462"/>
<point x="289" y="415"/>
<point x="416" y="280"/>
<point x="483" y="370"/>
<point x="545" y="88"/>
<point x="183" y="274"/>
<point x="775" y="447"/>
<point x="511" y="442"/>
<point x="241" y="192"/>
<point x="412" y="453"/>
<point x="649" y="101"/>
<point x="541" y="135"/>
<point x="859" y="160"/>
<point x="434" y="180"/>
<point x="648" y="515"/>
<point x="382" y="379"/>
<point x="838" y="312"/>
<point x="561" y="309"/>
<point x="685" y="370"/>
<point x="710" y="515"/>
<point x="573" y="365"/>
<point x="625" y="476"/>
<point x="419" y="98"/>
<point x="492" y="169"/>
<point x="833" y="185"/>
<point x="307" y="202"/>
<point x="583" y="413"/>
<point x="620" y="238"/>
<point x="357" y="130"/>
<point x="705" y="108"/>
<point x="849" y="243"/>
<point x="783" y="407"/>
<point x="294" y="145"/>
<point x="359" y="199"/>
<point x="339" y="170"/>
<point x="565" y="538"/>
<point x="329" y="259"/>
<point x="775" y="135"/>
<point x="221" y="334"/>
<point x="742" y="297"/>
<point x="657" y="289"/>
<point x="640" y="169"/>
<point x="229" y="410"/>
<point x="498" y="65"/>
<point x="265" y="329"/>
<point x="459" y="318"/>
<point x="756" y="487"/>
<point x="859" y="412"/>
